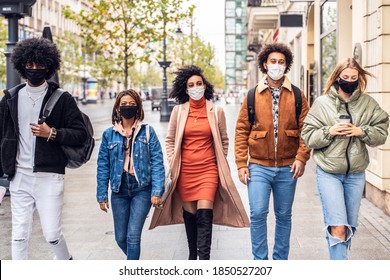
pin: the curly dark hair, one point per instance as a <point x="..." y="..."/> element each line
<point x="179" y="85"/>
<point x="116" y="117"/>
<point x="40" y="51"/>
<point x="275" y="47"/>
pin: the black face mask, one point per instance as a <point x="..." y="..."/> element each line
<point x="348" y="87"/>
<point x="36" y="77"/>
<point x="128" y="112"/>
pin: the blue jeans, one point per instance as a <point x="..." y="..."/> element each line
<point x="130" y="206"/>
<point x="340" y="195"/>
<point x="279" y="181"/>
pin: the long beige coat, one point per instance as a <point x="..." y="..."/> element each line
<point x="228" y="207"/>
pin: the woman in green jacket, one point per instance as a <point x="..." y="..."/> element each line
<point x="338" y="127"/>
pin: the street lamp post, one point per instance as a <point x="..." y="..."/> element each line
<point x="13" y="11"/>
<point x="12" y="77"/>
<point x="47" y="34"/>
<point x="84" y="80"/>
<point x="165" y="113"/>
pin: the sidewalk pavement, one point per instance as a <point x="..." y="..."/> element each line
<point x="89" y="231"/>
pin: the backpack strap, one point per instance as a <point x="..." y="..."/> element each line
<point x="298" y="102"/>
<point x="51" y="103"/>
<point x="251" y="106"/>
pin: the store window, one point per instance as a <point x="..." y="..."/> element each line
<point x="328" y="40"/>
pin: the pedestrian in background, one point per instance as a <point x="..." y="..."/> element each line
<point x="277" y="153"/>
<point x="31" y="153"/>
<point x="203" y="191"/>
<point x="338" y="127"/>
<point x="131" y="160"/>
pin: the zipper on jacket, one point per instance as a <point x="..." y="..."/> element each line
<point x="349" y="142"/>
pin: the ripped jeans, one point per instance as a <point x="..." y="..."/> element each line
<point x="43" y="192"/>
<point x="340" y="196"/>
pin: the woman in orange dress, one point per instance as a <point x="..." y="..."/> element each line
<point x="198" y="179"/>
<point x="203" y="191"/>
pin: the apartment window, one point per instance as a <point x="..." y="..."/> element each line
<point x="240" y="44"/>
<point x="328" y="40"/>
<point x="240" y="60"/>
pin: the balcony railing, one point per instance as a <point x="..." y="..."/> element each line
<point x="264" y="3"/>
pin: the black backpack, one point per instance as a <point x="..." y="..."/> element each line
<point x="76" y="155"/>
<point x="251" y="104"/>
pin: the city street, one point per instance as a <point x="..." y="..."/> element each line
<point x="89" y="231"/>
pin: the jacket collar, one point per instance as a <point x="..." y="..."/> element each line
<point x="119" y="128"/>
<point x="261" y="86"/>
<point x="339" y="100"/>
<point x="354" y="96"/>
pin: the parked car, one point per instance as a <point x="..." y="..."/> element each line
<point x="155" y="94"/>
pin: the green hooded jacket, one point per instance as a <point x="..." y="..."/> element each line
<point x="341" y="154"/>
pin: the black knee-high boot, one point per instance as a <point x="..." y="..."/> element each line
<point x="204" y="220"/>
<point x="191" y="231"/>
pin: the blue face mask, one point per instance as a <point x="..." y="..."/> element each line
<point x="348" y="87"/>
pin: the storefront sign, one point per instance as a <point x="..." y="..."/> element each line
<point x="291" y="20"/>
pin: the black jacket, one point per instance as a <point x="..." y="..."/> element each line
<point x="49" y="157"/>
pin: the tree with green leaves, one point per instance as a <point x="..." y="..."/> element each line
<point x="3" y="61"/>
<point x="191" y="49"/>
<point x="72" y="60"/>
<point x="124" y="31"/>
<point x="150" y="77"/>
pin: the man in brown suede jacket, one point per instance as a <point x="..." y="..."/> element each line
<point x="277" y="154"/>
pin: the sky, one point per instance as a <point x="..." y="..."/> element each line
<point x="209" y="22"/>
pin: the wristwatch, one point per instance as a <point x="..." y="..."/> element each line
<point x="53" y="133"/>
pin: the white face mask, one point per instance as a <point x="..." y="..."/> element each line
<point x="196" y="93"/>
<point x="275" y="71"/>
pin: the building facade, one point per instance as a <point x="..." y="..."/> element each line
<point x="49" y="13"/>
<point x="329" y="31"/>
<point x="235" y="44"/>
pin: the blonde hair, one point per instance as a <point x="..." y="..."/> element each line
<point x="348" y="63"/>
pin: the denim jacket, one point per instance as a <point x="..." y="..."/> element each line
<point x="147" y="158"/>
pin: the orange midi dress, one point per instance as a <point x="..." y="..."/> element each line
<point x="198" y="179"/>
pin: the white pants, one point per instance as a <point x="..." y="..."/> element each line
<point x="44" y="192"/>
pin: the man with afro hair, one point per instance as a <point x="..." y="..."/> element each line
<point x="30" y="150"/>
<point x="277" y="154"/>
